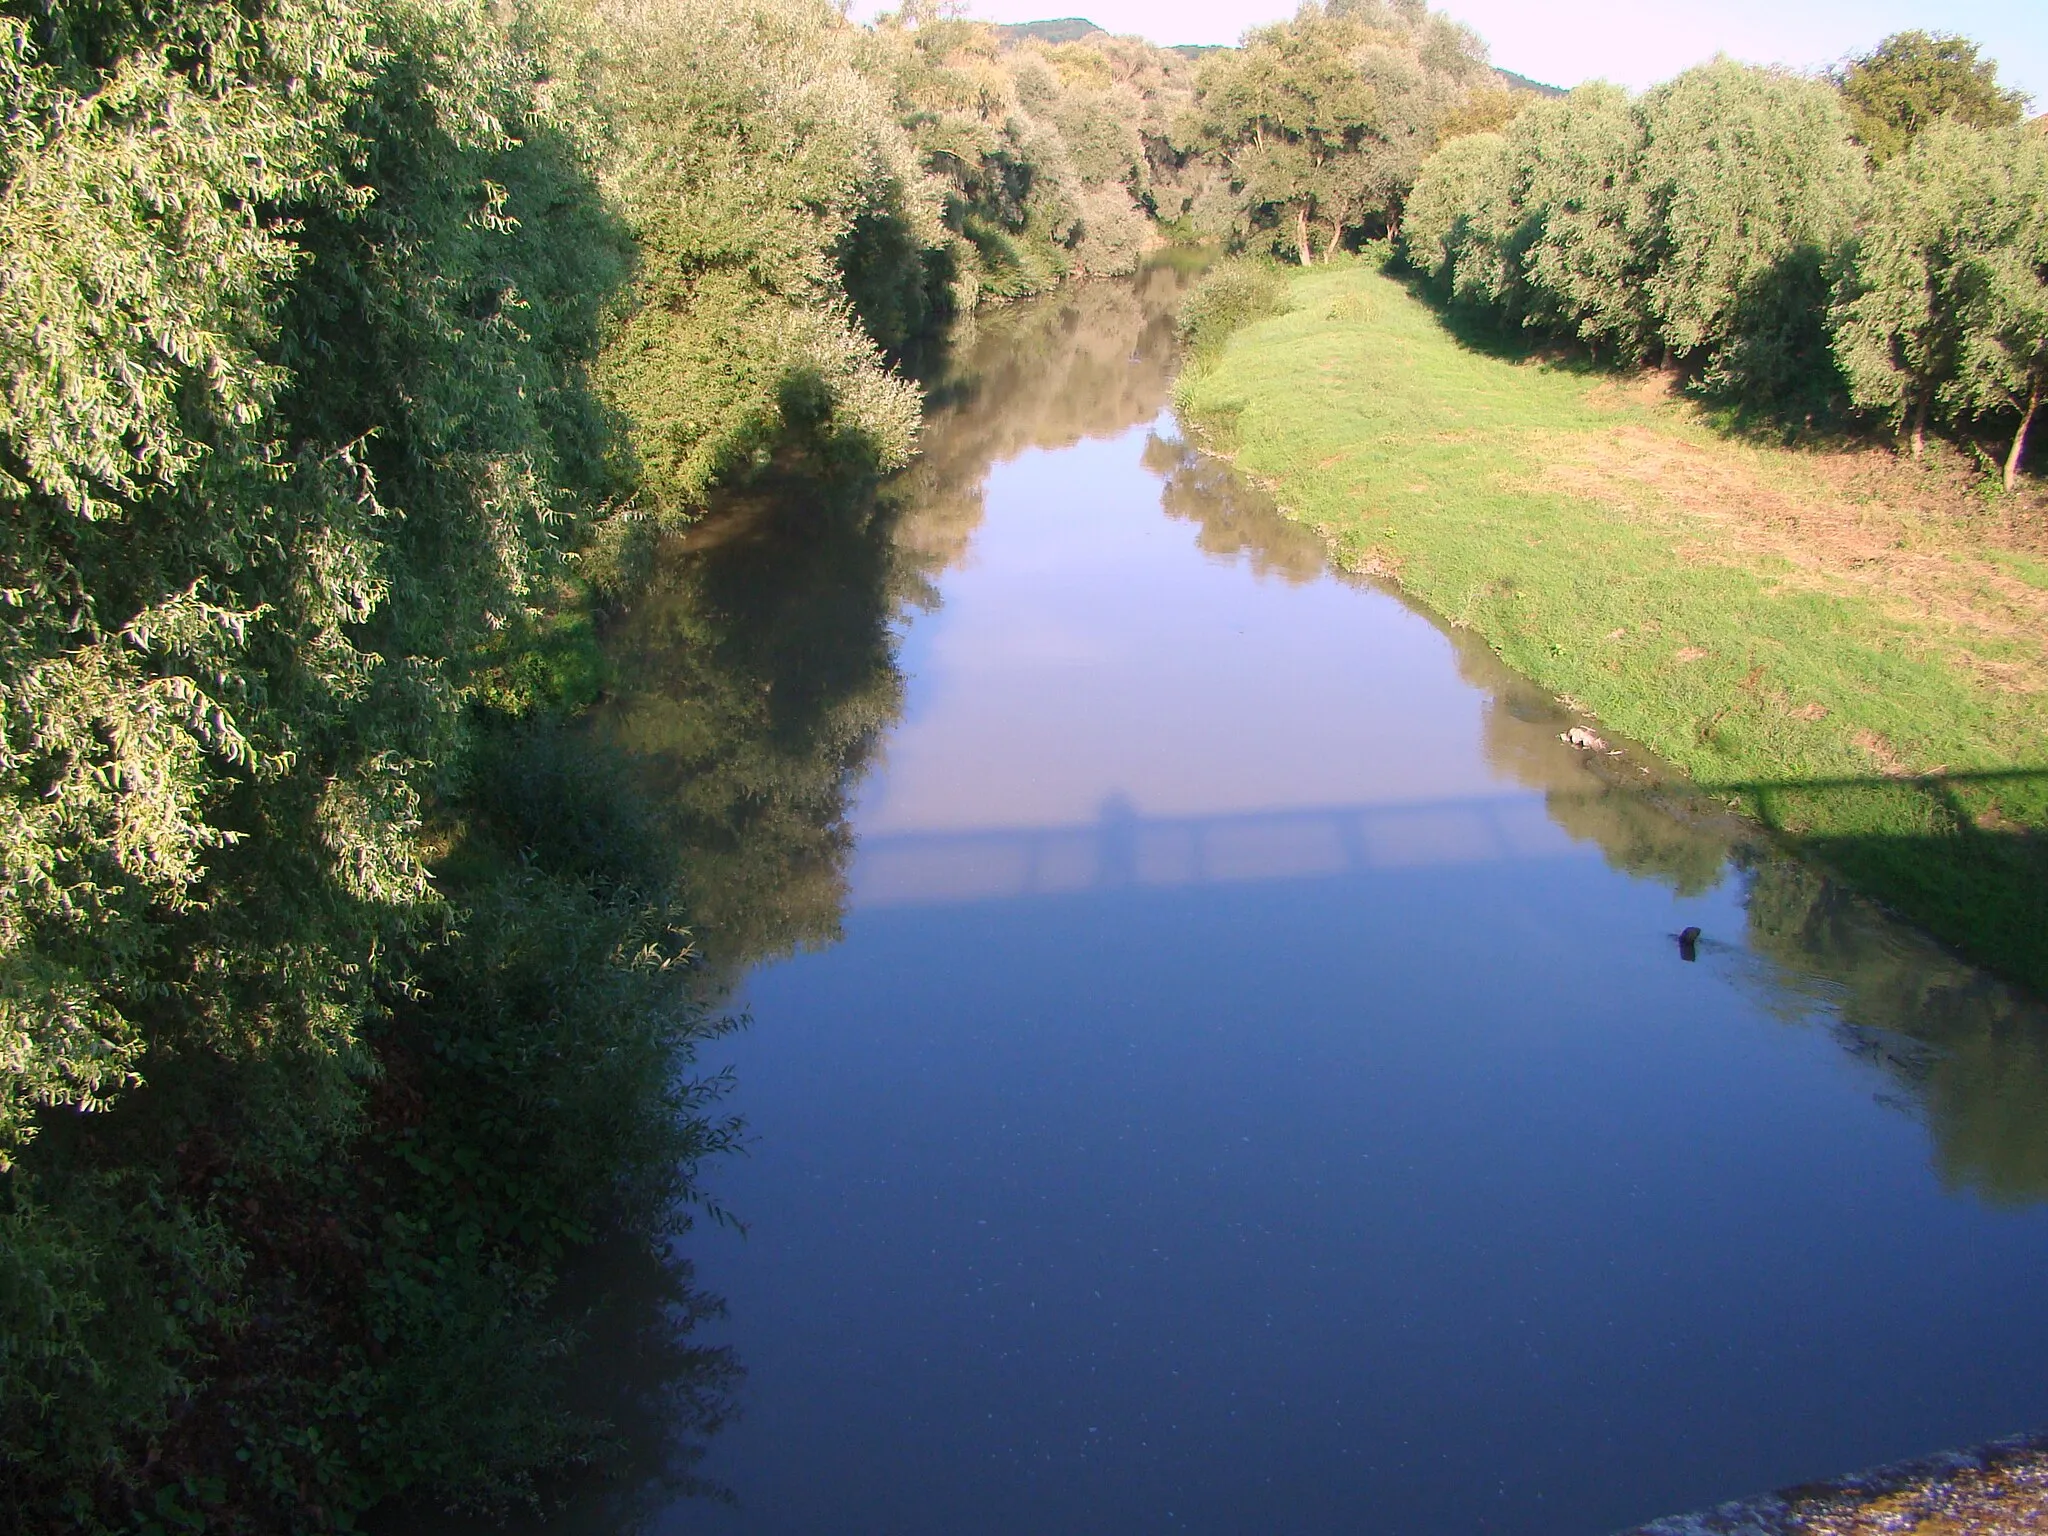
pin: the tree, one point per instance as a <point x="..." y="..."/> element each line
<point x="2000" y="287"/>
<point x="748" y="153"/>
<point x="1281" y="110"/>
<point x="1580" y="272"/>
<point x="1324" y="121"/>
<point x="1747" y="181"/>
<point x="1488" y="109"/>
<point x="1048" y="159"/>
<point x="1945" y="306"/>
<point x="1912" y="80"/>
<point x="1452" y="229"/>
<point x="1538" y="219"/>
<point x="1895" y="320"/>
<point x="297" y="303"/>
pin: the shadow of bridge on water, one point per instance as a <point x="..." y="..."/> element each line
<point x="1123" y="848"/>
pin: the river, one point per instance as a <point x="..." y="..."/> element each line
<point x="1215" y="1060"/>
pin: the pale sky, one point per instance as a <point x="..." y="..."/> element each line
<point x="1633" y="42"/>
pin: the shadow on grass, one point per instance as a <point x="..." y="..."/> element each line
<point x="1775" y="383"/>
<point x="1797" y="400"/>
<point x="1485" y="331"/>
<point x="1964" y="855"/>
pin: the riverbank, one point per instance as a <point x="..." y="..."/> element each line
<point x="1997" y="1487"/>
<point x="1852" y="650"/>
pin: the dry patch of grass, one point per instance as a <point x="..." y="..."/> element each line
<point x="1852" y="523"/>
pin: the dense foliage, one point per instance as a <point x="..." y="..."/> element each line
<point x="349" y="984"/>
<point x="1913" y="80"/>
<point x="1317" y="126"/>
<point x="1049" y="157"/>
<point x="1731" y="220"/>
<point x="755" y="163"/>
<point x="1943" y="309"/>
<point x="298" y="306"/>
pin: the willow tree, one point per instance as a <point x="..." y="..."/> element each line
<point x="1748" y="181"/>
<point x="1945" y="308"/>
<point x="1035" y="154"/>
<point x="2001" y="288"/>
<point x="1324" y="121"/>
<point x="748" y="149"/>
<point x="1574" y="167"/>
<point x="296" y="307"/>
<point x="1455" y="211"/>
<point x="1896" y="320"/>
<point x="1098" y="97"/>
<point x="1537" y="221"/>
<point x="188" y="580"/>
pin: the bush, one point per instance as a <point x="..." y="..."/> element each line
<point x="1227" y="298"/>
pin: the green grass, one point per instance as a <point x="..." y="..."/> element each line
<point x="1873" y="737"/>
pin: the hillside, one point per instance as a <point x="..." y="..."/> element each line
<point x="1515" y="82"/>
<point x="1065" y="29"/>
<point x="1071" y="29"/>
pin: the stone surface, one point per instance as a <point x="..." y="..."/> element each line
<point x="1999" y="1489"/>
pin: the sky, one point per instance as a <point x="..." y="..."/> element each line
<point x="1633" y="42"/>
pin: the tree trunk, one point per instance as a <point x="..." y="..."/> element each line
<point x="1920" y="418"/>
<point x="2019" y="439"/>
<point x="1336" y="234"/>
<point x="1308" y="258"/>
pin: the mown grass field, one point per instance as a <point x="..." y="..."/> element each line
<point x="1852" y="648"/>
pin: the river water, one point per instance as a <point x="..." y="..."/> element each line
<point x="1216" y="1061"/>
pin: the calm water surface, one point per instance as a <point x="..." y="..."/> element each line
<point x="1217" y="1061"/>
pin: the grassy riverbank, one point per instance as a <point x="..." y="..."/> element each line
<point x="1851" y="648"/>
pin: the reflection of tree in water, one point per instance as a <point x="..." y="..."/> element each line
<point x="754" y="675"/>
<point x="1638" y="829"/>
<point x="756" y="672"/>
<point x="654" y="1396"/>
<point x="1236" y="519"/>
<point x="1967" y="1049"/>
<point x="1092" y="360"/>
<point x="1233" y="518"/>
<point x="1970" y="1050"/>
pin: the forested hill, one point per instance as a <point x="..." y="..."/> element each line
<point x="1515" y="82"/>
<point x="1065" y="29"/>
<point x="1072" y="29"/>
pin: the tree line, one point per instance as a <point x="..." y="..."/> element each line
<point x="1873" y="243"/>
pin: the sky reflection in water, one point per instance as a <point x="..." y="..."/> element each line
<point x="1257" y="1088"/>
